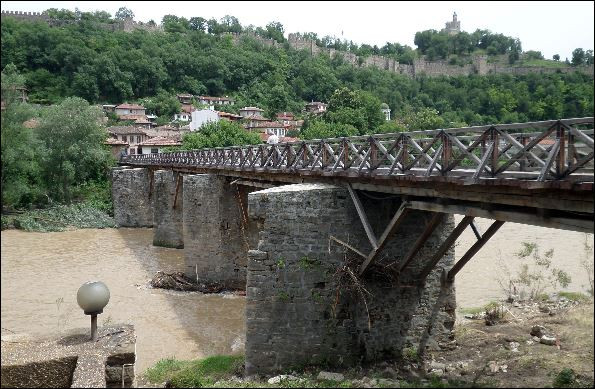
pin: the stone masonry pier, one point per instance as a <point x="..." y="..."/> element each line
<point x="303" y="305"/>
<point x="168" y="209"/>
<point x="131" y="195"/>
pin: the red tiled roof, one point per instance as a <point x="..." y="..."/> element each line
<point x="130" y="106"/>
<point x="160" y="141"/>
<point x="215" y="98"/>
<point x="187" y="108"/>
<point x="285" y="115"/>
<point x="284" y="139"/>
<point x="125" y="130"/>
<point x="115" y="142"/>
<point x="227" y="114"/>
<point x="132" y="117"/>
<point x="185" y="95"/>
<point x="252" y="109"/>
<point x="268" y="125"/>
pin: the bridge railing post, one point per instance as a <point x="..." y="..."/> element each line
<point x="561" y="157"/>
<point x="446" y="151"/>
<point x="495" y="139"/>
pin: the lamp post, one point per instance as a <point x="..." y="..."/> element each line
<point x="92" y="297"/>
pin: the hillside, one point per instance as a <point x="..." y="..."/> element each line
<point x="106" y="66"/>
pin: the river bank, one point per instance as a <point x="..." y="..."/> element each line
<point x="507" y="354"/>
<point x="59" y="218"/>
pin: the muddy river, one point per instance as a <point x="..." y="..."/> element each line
<point x="41" y="273"/>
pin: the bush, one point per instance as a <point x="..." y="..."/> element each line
<point x="565" y="379"/>
<point x="195" y="374"/>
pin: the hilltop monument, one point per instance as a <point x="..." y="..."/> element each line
<point x="454" y="27"/>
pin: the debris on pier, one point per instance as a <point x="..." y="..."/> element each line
<point x="178" y="281"/>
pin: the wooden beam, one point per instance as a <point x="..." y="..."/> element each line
<point x="350" y="247"/>
<point x="388" y="231"/>
<point x="178" y="183"/>
<point x="448" y="242"/>
<point x="550" y="159"/>
<point x="474" y="249"/>
<point x="475" y="230"/>
<point x="430" y="227"/>
<point x="563" y="223"/>
<point x="362" y="216"/>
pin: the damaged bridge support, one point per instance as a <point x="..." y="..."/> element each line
<point x="306" y="303"/>
<point x="168" y="209"/>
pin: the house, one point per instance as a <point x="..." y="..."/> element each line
<point x="315" y="107"/>
<point x="284" y="139"/>
<point x="116" y="146"/>
<point x="385" y="110"/>
<point x="268" y="127"/>
<point x="208" y="100"/>
<point x="133" y="135"/>
<point x="185" y="98"/>
<point x="143" y="122"/>
<point x="156" y="145"/>
<point x="201" y="117"/>
<point x="185" y="114"/>
<point x="167" y="131"/>
<point x="228" y="116"/>
<point x="109" y="108"/>
<point x="250" y="111"/>
<point x="129" y="110"/>
<point x="288" y="119"/>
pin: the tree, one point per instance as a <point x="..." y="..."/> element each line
<point x="198" y="23"/>
<point x="589" y="57"/>
<point x="21" y="184"/>
<point x="73" y="153"/>
<point x="219" y="134"/>
<point x="124" y="13"/>
<point x="274" y="30"/>
<point x="578" y="57"/>
<point x="162" y="105"/>
<point x="556" y="57"/>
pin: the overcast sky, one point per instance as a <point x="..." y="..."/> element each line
<point x="550" y="27"/>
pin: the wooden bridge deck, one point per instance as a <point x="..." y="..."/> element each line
<point x="538" y="173"/>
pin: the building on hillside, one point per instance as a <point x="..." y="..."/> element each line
<point x="285" y="116"/>
<point x="315" y="107"/>
<point x="168" y="131"/>
<point x="129" y="110"/>
<point x="228" y="116"/>
<point x="133" y="135"/>
<point x="268" y="127"/>
<point x="157" y="144"/>
<point x="209" y="100"/>
<point x="109" y="108"/>
<point x="201" y="117"/>
<point x="288" y="119"/>
<point x="185" y="114"/>
<point x="280" y="139"/>
<point x="386" y="111"/>
<point x="116" y="146"/>
<point x="251" y="111"/>
<point x="185" y="98"/>
<point x="454" y="27"/>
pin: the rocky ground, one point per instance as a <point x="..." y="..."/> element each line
<point x="531" y="344"/>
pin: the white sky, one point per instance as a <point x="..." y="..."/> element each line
<point x="550" y="27"/>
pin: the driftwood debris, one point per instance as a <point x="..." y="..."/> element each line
<point x="178" y="281"/>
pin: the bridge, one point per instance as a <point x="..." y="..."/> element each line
<point x="346" y="246"/>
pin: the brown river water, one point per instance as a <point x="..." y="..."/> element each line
<point x="41" y="273"/>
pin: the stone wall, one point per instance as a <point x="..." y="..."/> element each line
<point x="130" y="194"/>
<point x="295" y="312"/>
<point x="167" y="220"/>
<point x="216" y="236"/>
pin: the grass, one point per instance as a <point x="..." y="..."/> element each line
<point x="574" y="296"/>
<point x="546" y="63"/>
<point x="59" y="218"/>
<point x="195" y="374"/>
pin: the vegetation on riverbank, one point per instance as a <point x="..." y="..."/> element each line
<point x="501" y="355"/>
<point x="59" y="218"/>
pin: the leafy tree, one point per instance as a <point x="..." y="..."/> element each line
<point x="532" y="54"/>
<point x="589" y="57"/>
<point x="318" y="129"/>
<point x="73" y="151"/>
<point x="556" y="57"/>
<point x="162" y="105"/>
<point x="578" y="57"/>
<point x="20" y="168"/>
<point x="124" y="13"/>
<point x="219" y="134"/>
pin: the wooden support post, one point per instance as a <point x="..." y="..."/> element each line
<point x="430" y="227"/>
<point x="495" y="152"/>
<point x="474" y="249"/>
<point x="561" y="157"/>
<point x="178" y="183"/>
<point x="373" y="154"/>
<point x="475" y="230"/>
<point x="448" y="242"/>
<point x="388" y="231"/>
<point x="362" y="216"/>
<point x="446" y="152"/>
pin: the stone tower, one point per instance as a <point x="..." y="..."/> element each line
<point x="454" y="27"/>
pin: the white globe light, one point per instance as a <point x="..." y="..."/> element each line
<point x="92" y="297"/>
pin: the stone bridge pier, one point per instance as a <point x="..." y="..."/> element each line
<point x="297" y="250"/>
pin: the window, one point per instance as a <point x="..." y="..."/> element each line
<point x="154" y="151"/>
<point x="131" y="151"/>
<point x="138" y="139"/>
<point x="124" y="138"/>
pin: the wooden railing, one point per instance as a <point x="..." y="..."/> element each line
<point x="556" y="150"/>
